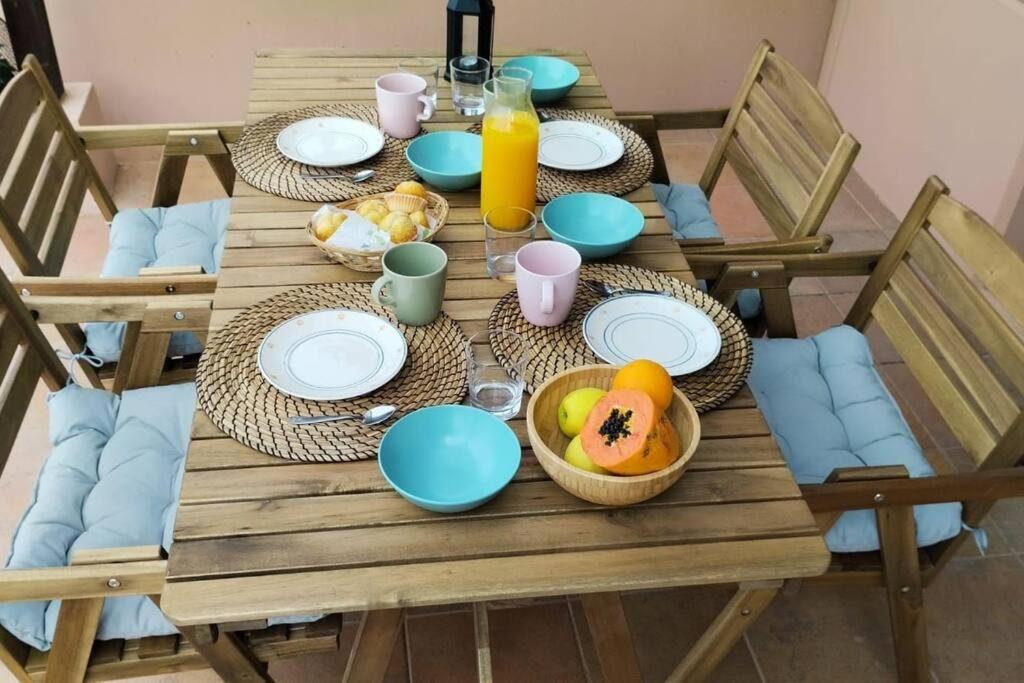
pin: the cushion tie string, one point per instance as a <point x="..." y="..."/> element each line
<point x="980" y="537"/>
<point x="74" y="358"/>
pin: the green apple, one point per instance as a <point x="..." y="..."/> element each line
<point x="574" y="408"/>
<point x="575" y="456"/>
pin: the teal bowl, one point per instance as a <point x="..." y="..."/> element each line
<point x="449" y="458"/>
<point x="553" y="78"/>
<point x="448" y="160"/>
<point x="596" y="225"/>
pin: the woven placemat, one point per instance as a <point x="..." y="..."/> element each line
<point x="625" y="175"/>
<point x="259" y="163"/>
<point x="554" y="349"/>
<point x="246" y="407"/>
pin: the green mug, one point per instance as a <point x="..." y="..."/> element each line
<point x="413" y="282"/>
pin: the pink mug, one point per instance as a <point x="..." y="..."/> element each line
<point x="399" y="96"/>
<point x="546" y="275"/>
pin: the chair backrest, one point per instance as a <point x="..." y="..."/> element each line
<point x="949" y="294"/>
<point x="44" y="174"/>
<point x="785" y="144"/>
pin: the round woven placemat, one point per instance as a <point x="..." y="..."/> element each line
<point x="257" y="160"/>
<point x="625" y="175"/>
<point x="554" y="349"/>
<point x="246" y="407"/>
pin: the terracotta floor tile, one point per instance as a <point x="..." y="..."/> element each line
<point x="686" y="136"/>
<point x="1009" y="517"/>
<point x="846" y="214"/>
<point x="825" y="634"/>
<point x="535" y="643"/>
<point x="665" y="625"/>
<point x="814" y="314"/>
<point x="844" y="284"/>
<point x="736" y="214"/>
<point x="972" y="606"/>
<point x="866" y="197"/>
<point x="686" y="162"/>
<point x="859" y="240"/>
<point x="442" y="648"/>
<point x="806" y="285"/>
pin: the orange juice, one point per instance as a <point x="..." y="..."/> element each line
<point x="509" y="176"/>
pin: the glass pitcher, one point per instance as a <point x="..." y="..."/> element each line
<point x="511" y="131"/>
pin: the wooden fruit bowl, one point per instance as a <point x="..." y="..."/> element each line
<point x="549" y="443"/>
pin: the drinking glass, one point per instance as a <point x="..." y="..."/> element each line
<point x="491" y="386"/>
<point x="425" y="68"/>
<point x="468" y="74"/>
<point x="506" y="229"/>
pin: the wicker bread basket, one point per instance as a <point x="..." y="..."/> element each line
<point x="549" y="443"/>
<point x="435" y="207"/>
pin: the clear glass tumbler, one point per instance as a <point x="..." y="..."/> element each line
<point x="506" y="229"/>
<point x="492" y="387"/>
<point x="468" y="74"/>
<point x="427" y="69"/>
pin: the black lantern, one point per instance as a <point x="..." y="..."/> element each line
<point x="463" y="14"/>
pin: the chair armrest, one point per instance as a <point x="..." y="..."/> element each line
<point x="158" y="313"/>
<point x="879" y="491"/>
<point x="819" y="244"/>
<point x="150" y="134"/>
<point x="694" y="244"/>
<point x="147" y="285"/>
<point x="83" y="581"/>
<point x="685" y="120"/>
<point x="848" y="263"/>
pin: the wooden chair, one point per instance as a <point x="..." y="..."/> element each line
<point x="235" y="651"/>
<point x="949" y="294"/>
<point x="45" y="172"/>
<point x="783" y="141"/>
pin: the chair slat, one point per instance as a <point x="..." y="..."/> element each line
<point x="43" y="199"/>
<point x="999" y="267"/>
<point x="996" y="403"/>
<point x="18" y="101"/>
<point x="776" y="215"/>
<point x="787" y="85"/>
<point x="770" y="166"/>
<point x="19" y="383"/>
<point x="961" y="415"/>
<point x="790" y="142"/>
<point x="970" y="307"/>
<point x="54" y="248"/>
<point x="28" y="159"/>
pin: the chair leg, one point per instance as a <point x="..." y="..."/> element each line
<point x="375" y="642"/>
<point x="77" y="623"/>
<point x="612" y="638"/>
<point x="227" y="655"/>
<point x="904" y="590"/>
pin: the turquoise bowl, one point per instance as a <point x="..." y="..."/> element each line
<point x="448" y="160"/>
<point x="553" y="78"/>
<point x="596" y="225"/>
<point x="449" y="458"/>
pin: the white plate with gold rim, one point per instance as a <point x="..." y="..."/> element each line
<point x="332" y="355"/>
<point x="577" y="146"/>
<point x="329" y="141"/>
<point x="677" y="335"/>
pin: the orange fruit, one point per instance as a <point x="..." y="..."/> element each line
<point x="648" y="377"/>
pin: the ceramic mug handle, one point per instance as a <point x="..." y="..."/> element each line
<point x="377" y="292"/>
<point x="428" y="108"/>
<point x="547" y="297"/>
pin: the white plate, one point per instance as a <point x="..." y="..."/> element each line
<point x="577" y="146"/>
<point x="680" y="337"/>
<point x="331" y="355"/>
<point x="329" y="141"/>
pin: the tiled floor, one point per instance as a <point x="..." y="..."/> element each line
<point x="819" y="634"/>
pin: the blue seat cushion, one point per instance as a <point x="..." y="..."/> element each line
<point x="689" y="214"/>
<point x="186" y="235"/>
<point x="112" y="480"/>
<point x="827" y="407"/>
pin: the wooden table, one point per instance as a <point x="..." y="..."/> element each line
<point x="258" y="536"/>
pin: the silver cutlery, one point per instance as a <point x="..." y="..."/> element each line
<point x="606" y="290"/>
<point x="357" y="177"/>
<point x="374" y="415"/>
<point x="544" y="116"/>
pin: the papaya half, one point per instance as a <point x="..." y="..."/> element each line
<point x="626" y="433"/>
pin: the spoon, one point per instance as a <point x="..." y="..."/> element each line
<point x="374" y="415"/>
<point x="605" y="289"/>
<point x="357" y="177"/>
